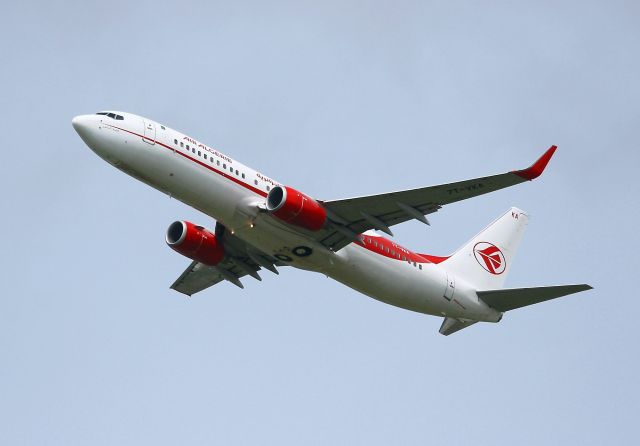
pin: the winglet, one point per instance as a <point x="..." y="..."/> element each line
<point x="535" y="170"/>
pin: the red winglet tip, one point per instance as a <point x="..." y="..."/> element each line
<point x="535" y="170"/>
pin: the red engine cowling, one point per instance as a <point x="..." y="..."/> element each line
<point x="296" y="208"/>
<point x="195" y="242"/>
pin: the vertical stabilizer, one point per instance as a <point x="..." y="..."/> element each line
<point x="485" y="261"/>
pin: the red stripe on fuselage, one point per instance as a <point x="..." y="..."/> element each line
<point x="434" y="259"/>
<point x="223" y="174"/>
<point x="387" y="248"/>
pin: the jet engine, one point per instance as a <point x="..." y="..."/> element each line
<point x="296" y="208"/>
<point x="195" y="242"/>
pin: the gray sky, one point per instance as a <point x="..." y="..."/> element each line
<point x="337" y="99"/>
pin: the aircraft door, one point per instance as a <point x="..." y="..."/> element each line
<point x="451" y="287"/>
<point x="149" y="132"/>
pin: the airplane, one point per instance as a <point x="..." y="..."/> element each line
<point x="264" y="224"/>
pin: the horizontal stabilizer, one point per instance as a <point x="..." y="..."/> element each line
<point x="510" y="299"/>
<point x="451" y="325"/>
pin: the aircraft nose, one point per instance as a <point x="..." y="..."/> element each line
<point x="80" y="124"/>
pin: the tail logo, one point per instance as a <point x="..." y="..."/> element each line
<point x="490" y="257"/>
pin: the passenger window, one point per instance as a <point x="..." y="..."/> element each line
<point x="404" y="258"/>
<point x="224" y="166"/>
<point x="193" y="150"/>
<point x="268" y="188"/>
<point x="218" y="162"/>
<point x="237" y="173"/>
<point x="205" y="156"/>
<point x="175" y="141"/>
<point x="187" y="146"/>
<point x="181" y="144"/>
<point x="199" y="153"/>
<point x="420" y="266"/>
<point x="255" y="182"/>
<point x="242" y="174"/>
<point x="162" y="127"/>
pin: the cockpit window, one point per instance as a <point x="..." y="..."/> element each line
<point x="111" y="115"/>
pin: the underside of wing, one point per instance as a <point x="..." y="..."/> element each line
<point x="240" y="260"/>
<point x="352" y="216"/>
<point x="196" y="278"/>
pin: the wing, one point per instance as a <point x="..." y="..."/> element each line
<point x="241" y="259"/>
<point x="352" y="216"/>
<point x="196" y="278"/>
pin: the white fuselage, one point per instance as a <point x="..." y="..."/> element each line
<point x="230" y="192"/>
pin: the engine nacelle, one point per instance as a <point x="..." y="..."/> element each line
<point x="195" y="242"/>
<point x="296" y="208"/>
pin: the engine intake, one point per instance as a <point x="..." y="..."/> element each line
<point x="195" y="242"/>
<point x="296" y="208"/>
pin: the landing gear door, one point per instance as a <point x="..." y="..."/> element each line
<point x="451" y="287"/>
<point x="149" y="132"/>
